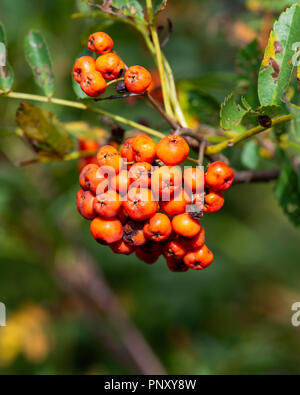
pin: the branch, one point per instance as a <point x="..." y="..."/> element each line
<point x="242" y="177"/>
<point x="174" y="124"/>
<point x="159" y="59"/>
<point x="215" y="149"/>
<point x="84" y="107"/>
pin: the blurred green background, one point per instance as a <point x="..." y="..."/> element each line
<point x="233" y="318"/>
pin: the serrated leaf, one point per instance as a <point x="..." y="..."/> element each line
<point x="250" y="155"/>
<point x="277" y="66"/>
<point x="43" y="130"/>
<point x="248" y="65"/>
<point x="37" y="55"/>
<point x="287" y="192"/>
<point x="231" y="113"/>
<point x="6" y="71"/>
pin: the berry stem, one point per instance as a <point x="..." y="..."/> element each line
<point x="215" y="149"/>
<point x="82" y="106"/>
<point x="159" y="59"/>
<point x="158" y="107"/>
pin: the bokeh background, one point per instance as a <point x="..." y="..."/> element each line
<point x="233" y="318"/>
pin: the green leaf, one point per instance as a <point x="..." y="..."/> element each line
<point x="38" y="57"/>
<point x="43" y="130"/>
<point x="277" y="66"/>
<point x="248" y="65"/>
<point x="269" y="5"/>
<point x="6" y="71"/>
<point x="129" y="7"/>
<point x="294" y="133"/>
<point x="287" y="192"/>
<point x="231" y="113"/>
<point x="250" y="155"/>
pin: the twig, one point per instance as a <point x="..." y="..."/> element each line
<point x="174" y="124"/>
<point x="242" y="177"/>
<point x="214" y="149"/>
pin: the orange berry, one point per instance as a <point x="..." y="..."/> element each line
<point x="93" y="84"/>
<point x="87" y="145"/>
<point x="172" y="150"/>
<point x="143" y="148"/>
<point x="140" y="204"/>
<point x="185" y="225"/>
<point x="109" y="158"/>
<point x="90" y="178"/>
<point x="137" y="79"/>
<point x="134" y="233"/>
<point x="120" y="182"/>
<point x="127" y="151"/>
<point x="110" y="66"/>
<point x="82" y="66"/>
<point x="120" y="247"/>
<point x="174" y="249"/>
<point x="84" y="202"/>
<point x="193" y="243"/>
<point x="100" y="42"/>
<point x="213" y="202"/>
<point x="158" y="228"/>
<point x="176" y="265"/>
<point x="219" y="176"/>
<point x="166" y="182"/>
<point x="199" y="259"/>
<point x="108" y="204"/>
<point x="177" y="204"/>
<point x="106" y="230"/>
<point x="140" y="174"/>
<point x="194" y="179"/>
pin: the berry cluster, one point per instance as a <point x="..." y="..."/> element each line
<point x="93" y="74"/>
<point x="140" y="201"/>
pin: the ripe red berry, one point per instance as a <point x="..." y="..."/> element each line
<point x="194" y="179"/>
<point x="166" y="182"/>
<point x="177" y="204"/>
<point x="143" y="148"/>
<point x="110" y="66"/>
<point x="120" y="247"/>
<point x="184" y="225"/>
<point x="193" y="243"/>
<point x="109" y="158"/>
<point x="172" y="150"/>
<point x="158" y="228"/>
<point x="82" y="66"/>
<point x="176" y="265"/>
<point x="127" y="151"/>
<point x="107" y="205"/>
<point x="219" y="176"/>
<point x="213" y="202"/>
<point x="84" y="202"/>
<point x="120" y="182"/>
<point x="174" y="249"/>
<point x="100" y="42"/>
<point x="90" y="178"/>
<point x="140" y="174"/>
<point x="199" y="259"/>
<point x="106" y="230"/>
<point x="93" y="84"/>
<point x="140" y="204"/>
<point x="137" y="79"/>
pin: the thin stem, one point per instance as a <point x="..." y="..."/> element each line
<point x="84" y="107"/>
<point x="214" y="149"/>
<point x="158" y="107"/>
<point x="242" y="177"/>
<point x="115" y="81"/>
<point x="159" y="59"/>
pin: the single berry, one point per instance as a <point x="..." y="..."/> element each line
<point x="186" y="226"/>
<point x="140" y="204"/>
<point x="174" y="249"/>
<point x="83" y="65"/>
<point x="158" y="228"/>
<point x="140" y="174"/>
<point x="219" y="176"/>
<point x="120" y="247"/>
<point x="110" y="66"/>
<point x="84" y="202"/>
<point x="93" y="84"/>
<point x="166" y="182"/>
<point x="176" y="265"/>
<point x="100" y="42"/>
<point x="199" y="259"/>
<point x="213" y="202"/>
<point x="137" y="79"/>
<point x="177" y="204"/>
<point x="109" y="158"/>
<point x="194" y="179"/>
<point x="143" y="148"/>
<point x="106" y="231"/>
<point x="172" y="150"/>
<point x="107" y="205"/>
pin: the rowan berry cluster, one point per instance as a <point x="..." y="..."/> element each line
<point x="139" y="200"/>
<point x="93" y="74"/>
